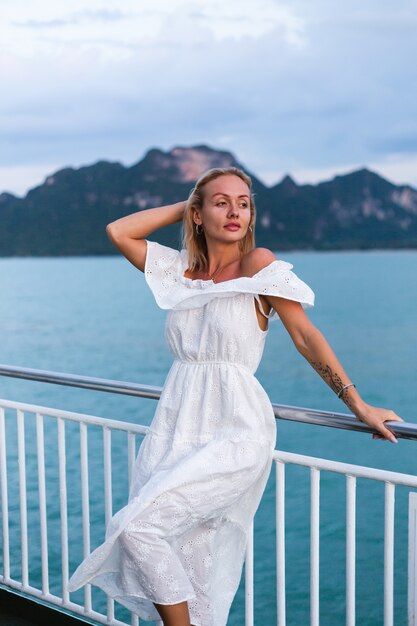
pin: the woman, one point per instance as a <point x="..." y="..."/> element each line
<point x="176" y="550"/>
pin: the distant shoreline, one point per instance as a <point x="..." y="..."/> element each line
<point x="281" y="252"/>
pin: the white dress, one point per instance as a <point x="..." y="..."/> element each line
<point x="202" y="468"/>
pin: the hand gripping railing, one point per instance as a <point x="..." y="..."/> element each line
<point x="406" y="430"/>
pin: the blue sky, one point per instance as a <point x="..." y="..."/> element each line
<point x="309" y="88"/>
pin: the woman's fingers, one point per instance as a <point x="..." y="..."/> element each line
<point x="390" y="438"/>
<point x="388" y="434"/>
<point x="375" y="417"/>
<point x="376" y="420"/>
<point x="384" y="430"/>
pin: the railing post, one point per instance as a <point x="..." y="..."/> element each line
<point x="350" y="550"/>
<point x="4" y="499"/>
<point x="23" y="497"/>
<point x="412" y="558"/>
<point x="108" y="499"/>
<point x="63" y="506"/>
<point x="389" y="555"/>
<point x="85" y="505"/>
<point x="280" y="541"/>
<point x="314" y="545"/>
<point x="43" y="512"/>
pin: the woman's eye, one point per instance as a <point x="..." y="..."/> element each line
<point x="244" y="204"/>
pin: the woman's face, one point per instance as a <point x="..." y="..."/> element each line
<point x="226" y="202"/>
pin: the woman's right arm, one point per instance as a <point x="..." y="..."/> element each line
<point x="128" y="233"/>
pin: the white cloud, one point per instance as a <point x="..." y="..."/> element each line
<point x="37" y="25"/>
<point x="288" y="87"/>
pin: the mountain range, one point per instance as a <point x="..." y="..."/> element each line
<point x="67" y="213"/>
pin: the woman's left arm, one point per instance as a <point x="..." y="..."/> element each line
<point x="311" y="343"/>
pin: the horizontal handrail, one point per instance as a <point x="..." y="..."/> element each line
<point x="348" y="469"/>
<point x="85" y="382"/>
<point x="347" y="421"/>
<point x="85" y="418"/>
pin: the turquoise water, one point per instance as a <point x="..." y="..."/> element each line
<point x="97" y="317"/>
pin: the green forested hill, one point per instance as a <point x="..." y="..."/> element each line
<point x="68" y="213"/>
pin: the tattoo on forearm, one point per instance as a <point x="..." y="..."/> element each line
<point x="333" y="380"/>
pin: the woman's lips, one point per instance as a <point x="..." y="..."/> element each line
<point x="232" y="227"/>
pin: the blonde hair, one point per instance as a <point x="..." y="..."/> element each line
<point x="195" y="243"/>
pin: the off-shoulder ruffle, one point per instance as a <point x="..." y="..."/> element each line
<point x="164" y="274"/>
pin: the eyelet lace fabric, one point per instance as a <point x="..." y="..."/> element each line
<point x="203" y="465"/>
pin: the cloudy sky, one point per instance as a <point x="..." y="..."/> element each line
<point x="309" y="88"/>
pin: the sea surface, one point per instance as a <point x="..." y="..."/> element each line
<point x="96" y="316"/>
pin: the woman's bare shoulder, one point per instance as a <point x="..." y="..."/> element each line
<point x="256" y="260"/>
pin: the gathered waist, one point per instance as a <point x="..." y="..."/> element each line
<point x="214" y="362"/>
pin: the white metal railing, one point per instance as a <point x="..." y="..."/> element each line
<point x="352" y="472"/>
<point x="16" y="413"/>
<point x="20" y="411"/>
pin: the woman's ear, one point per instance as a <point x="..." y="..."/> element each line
<point x="196" y="216"/>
